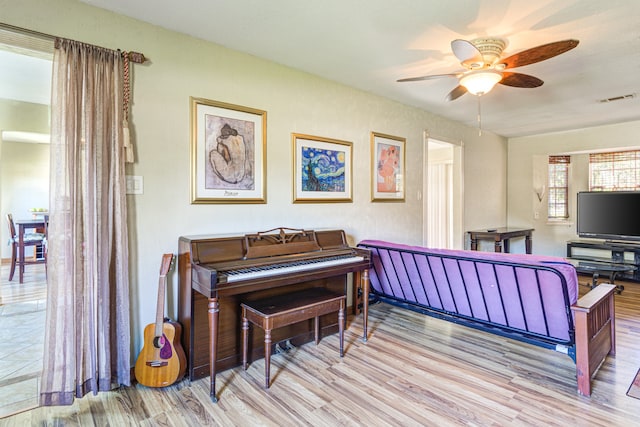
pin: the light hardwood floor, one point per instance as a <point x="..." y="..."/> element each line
<point x="33" y="288"/>
<point x="413" y="371"/>
<point x="22" y="317"/>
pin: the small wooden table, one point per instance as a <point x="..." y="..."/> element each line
<point x="283" y="310"/>
<point x="501" y="237"/>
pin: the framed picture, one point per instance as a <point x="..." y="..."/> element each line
<point x="321" y="169"/>
<point x="228" y="153"/>
<point x="387" y="168"/>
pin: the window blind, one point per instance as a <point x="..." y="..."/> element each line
<point x="614" y="171"/>
<point x="558" y="200"/>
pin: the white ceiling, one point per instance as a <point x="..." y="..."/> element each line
<point x="369" y="44"/>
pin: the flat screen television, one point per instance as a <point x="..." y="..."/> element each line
<point x="611" y="215"/>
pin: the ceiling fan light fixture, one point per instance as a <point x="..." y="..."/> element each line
<point x="480" y="82"/>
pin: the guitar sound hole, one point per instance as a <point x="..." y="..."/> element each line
<point x="158" y="342"/>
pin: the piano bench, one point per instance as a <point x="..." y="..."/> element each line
<point x="286" y="309"/>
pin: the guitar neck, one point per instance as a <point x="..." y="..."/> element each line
<point x="167" y="260"/>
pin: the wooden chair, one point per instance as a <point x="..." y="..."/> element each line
<point x="29" y="239"/>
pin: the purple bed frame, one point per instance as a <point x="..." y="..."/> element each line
<point x="530" y="298"/>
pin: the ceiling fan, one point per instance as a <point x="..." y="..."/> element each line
<point x="484" y="67"/>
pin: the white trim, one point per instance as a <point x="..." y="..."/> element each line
<point x="31" y="137"/>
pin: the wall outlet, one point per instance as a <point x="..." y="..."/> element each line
<point x="536" y="215"/>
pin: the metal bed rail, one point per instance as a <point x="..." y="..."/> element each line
<point x="501" y="297"/>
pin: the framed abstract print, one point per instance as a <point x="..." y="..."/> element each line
<point x="228" y="153"/>
<point x="387" y="168"/>
<point x="322" y="169"/>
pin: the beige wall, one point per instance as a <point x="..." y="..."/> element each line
<point x="527" y="165"/>
<point x="181" y="67"/>
<point x="24" y="167"/>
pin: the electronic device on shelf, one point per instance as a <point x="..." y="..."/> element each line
<point x="611" y="215"/>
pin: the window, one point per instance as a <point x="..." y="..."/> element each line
<point x="558" y="187"/>
<point x="617" y="171"/>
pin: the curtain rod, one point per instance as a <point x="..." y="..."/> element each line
<point x="136" y="57"/>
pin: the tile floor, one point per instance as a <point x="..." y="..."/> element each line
<point x="22" y="316"/>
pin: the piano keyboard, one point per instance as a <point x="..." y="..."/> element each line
<point x="289" y="267"/>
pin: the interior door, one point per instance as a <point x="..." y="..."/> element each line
<point x="443" y="195"/>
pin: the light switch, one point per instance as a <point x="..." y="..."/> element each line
<point x="135" y="184"/>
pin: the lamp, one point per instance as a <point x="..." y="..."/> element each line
<point x="539" y="190"/>
<point x="481" y="81"/>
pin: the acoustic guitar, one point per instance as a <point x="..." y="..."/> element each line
<point x="161" y="361"/>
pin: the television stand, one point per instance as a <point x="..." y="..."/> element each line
<point x="616" y="259"/>
<point x="622" y="242"/>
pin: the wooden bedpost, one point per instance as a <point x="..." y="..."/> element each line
<point x="594" y="317"/>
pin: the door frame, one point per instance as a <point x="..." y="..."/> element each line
<point x="458" y="189"/>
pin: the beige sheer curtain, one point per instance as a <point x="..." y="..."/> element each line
<point x="87" y="342"/>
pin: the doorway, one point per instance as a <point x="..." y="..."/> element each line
<point x="25" y="94"/>
<point x="443" y="200"/>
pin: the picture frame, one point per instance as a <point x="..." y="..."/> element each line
<point x="228" y="153"/>
<point x="322" y="169"/>
<point x="388" y="156"/>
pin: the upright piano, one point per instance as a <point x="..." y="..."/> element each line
<point x="218" y="273"/>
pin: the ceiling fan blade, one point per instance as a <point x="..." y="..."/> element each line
<point x="467" y="53"/>
<point x="433" y="76"/>
<point x="539" y="53"/>
<point x="520" y="80"/>
<point x="456" y="93"/>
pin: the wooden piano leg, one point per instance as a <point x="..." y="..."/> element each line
<point x="365" y="303"/>
<point x="245" y="338"/>
<point x="341" y="327"/>
<point x="267" y="357"/>
<point x="214" y="309"/>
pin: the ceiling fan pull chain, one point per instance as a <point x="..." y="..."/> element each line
<point x="479" y="117"/>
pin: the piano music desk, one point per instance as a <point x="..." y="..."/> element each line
<point x="286" y="309"/>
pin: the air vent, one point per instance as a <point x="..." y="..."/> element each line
<point x="619" y="98"/>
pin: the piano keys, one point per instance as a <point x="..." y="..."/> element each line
<point x="247" y="273"/>
<point x="218" y="273"/>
